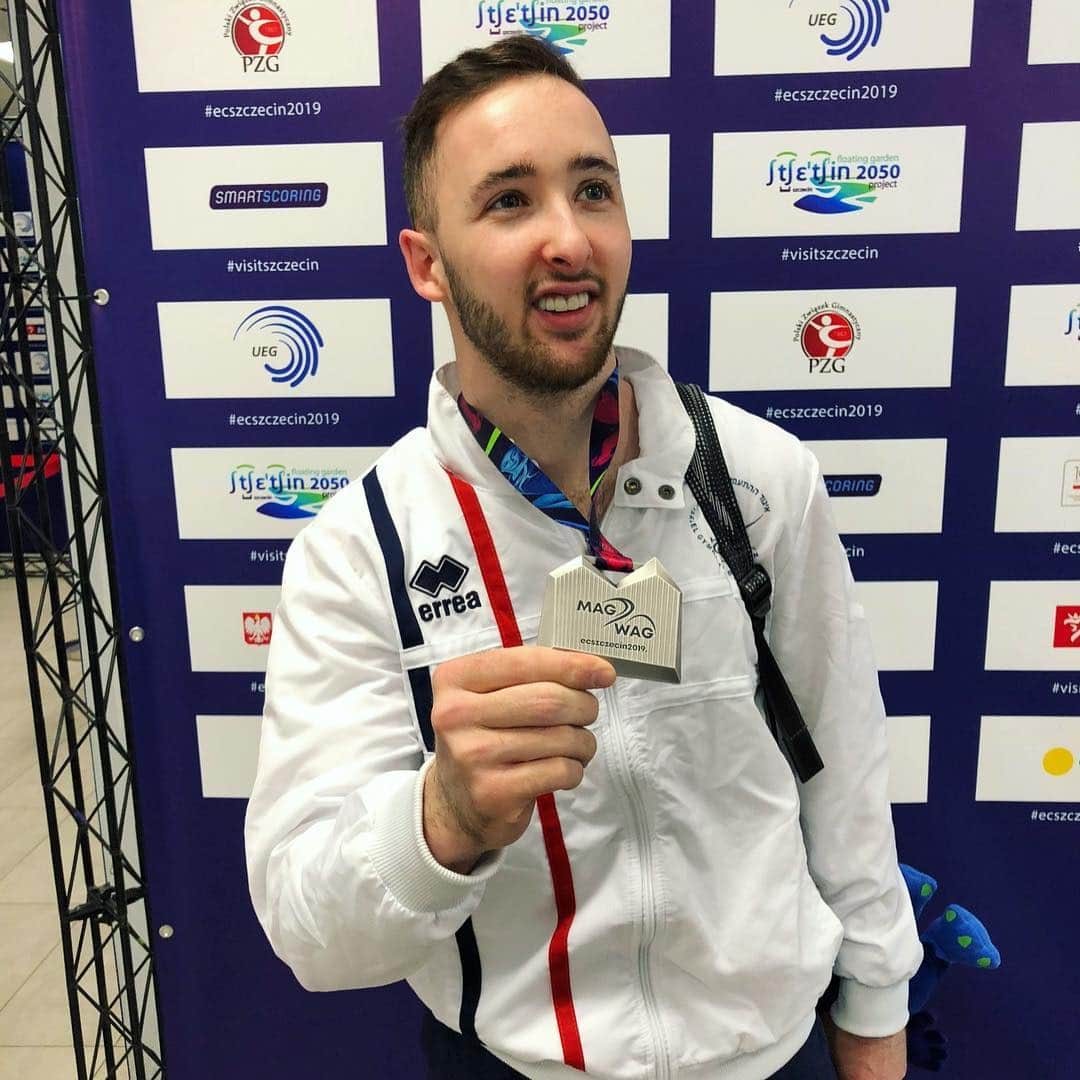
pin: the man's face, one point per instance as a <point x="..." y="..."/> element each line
<point x="532" y="233"/>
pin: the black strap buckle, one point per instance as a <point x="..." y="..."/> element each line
<point x="756" y="590"/>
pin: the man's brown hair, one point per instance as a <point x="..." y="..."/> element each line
<point x="473" y="73"/>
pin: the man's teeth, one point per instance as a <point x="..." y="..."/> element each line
<point x="563" y="303"/>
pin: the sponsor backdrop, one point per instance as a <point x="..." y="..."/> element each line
<point x="858" y="218"/>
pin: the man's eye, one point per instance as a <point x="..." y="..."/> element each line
<point x="595" y="190"/>
<point x="509" y="200"/>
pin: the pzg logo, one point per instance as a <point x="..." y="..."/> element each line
<point x="621" y="617"/>
<point x="827" y="333"/>
<point x="258" y="33"/>
<point x="285" y="340"/>
<point x="828" y="183"/>
<point x="850" y="30"/>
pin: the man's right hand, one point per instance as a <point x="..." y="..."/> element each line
<point x="510" y="725"/>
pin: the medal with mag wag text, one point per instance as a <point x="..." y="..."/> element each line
<point x="637" y="624"/>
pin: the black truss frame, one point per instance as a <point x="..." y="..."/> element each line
<point x="64" y="574"/>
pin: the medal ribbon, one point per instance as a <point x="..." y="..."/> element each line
<point x="526" y="476"/>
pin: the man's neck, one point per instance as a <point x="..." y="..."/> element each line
<point x="554" y="430"/>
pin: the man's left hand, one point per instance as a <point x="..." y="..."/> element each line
<point x="859" y="1058"/>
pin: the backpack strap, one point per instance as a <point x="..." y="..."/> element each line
<point x="710" y="484"/>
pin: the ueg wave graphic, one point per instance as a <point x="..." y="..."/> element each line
<point x="865" y="20"/>
<point x="291" y="331"/>
<point x="279" y="348"/>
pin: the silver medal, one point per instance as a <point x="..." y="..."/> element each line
<point x="637" y="624"/>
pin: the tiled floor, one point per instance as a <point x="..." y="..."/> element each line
<point x="35" y="1025"/>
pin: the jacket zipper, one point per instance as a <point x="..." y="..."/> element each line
<point x="648" y="899"/>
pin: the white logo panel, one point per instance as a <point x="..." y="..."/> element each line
<point x="223" y="45"/>
<point x="903" y="622"/>
<point x="884" y="485"/>
<point x="620" y="39"/>
<point x="780" y="36"/>
<point x="1028" y="759"/>
<point x="228" y="755"/>
<point x="845" y="182"/>
<point x="909" y="758"/>
<point x="643" y="175"/>
<point x="307" y="195"/>
<point x="1055" y="32"/>
<point x="1049" y="177"/>
<point x="852" y="339"/>
<point x="644" y="325"/>
<point x="259" y="493"/>
<point x="1044" y="336"/>
<point x="1038" y="486"/>
<point x="230" y="627"/>
<point x="1033" y="626"/>
<point x="277" y="349"/>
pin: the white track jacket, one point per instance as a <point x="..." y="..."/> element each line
<point x="703" y="899"/>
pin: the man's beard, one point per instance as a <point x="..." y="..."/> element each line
<point x="528" y="365"/>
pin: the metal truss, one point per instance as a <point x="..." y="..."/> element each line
<point x="61" y="559"/>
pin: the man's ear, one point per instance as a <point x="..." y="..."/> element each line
<point x="422" y="263"/>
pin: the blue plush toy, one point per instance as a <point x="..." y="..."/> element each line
<point x="954" y="937"/>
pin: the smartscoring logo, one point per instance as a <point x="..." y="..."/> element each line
<point x="258" y="33"/>
<point x="267" y="196"/>
<point x="562" y="27"/>
<point x="828" y="183"/>
<point x="280" y="492"/>
<point x="853" y="484"/>
<point x="827" y="333"/>
<point x="853" y="28"/>
<point x="285" y="339"/>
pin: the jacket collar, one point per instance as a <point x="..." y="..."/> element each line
<point x="665" y="437"/>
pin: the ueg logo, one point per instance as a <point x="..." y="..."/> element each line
<point x="281" y="492"/>
<point x="285" y="339"/>
<point x="258" y="33"/>
<point x="1072" y="323"/>
<point x="1070" y="483"/>
<point x="866" y="485"/>
<point x="620" y="616"/>
<point x="258" y="627"/>
<point x="849" y="34"/>
<point x="564" y="28"/>
<point x="432" y="580"/>
<point x="268" y="196"/>
<point x="1067" y="627"/>
<point x="827" y="333"/>
<point x="828" y="183"/>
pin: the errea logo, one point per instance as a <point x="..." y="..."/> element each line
<point x="432" y="580"/>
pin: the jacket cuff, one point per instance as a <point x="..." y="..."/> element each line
<point x="405" y="865"/>
<point x="871" y="1011"/>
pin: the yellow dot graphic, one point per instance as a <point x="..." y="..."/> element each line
<point x="1059" y="761"/>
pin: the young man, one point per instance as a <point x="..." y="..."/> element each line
<point x="680" y="904"/>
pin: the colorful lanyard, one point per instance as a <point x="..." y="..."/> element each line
<point x="528" y="478"/>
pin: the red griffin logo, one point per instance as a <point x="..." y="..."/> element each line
<point x="1067" y="627"/>
<point x="258" y="32"/>
<point x="258" y="627"/>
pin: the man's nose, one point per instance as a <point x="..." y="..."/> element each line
<point x="566" y="244"/>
